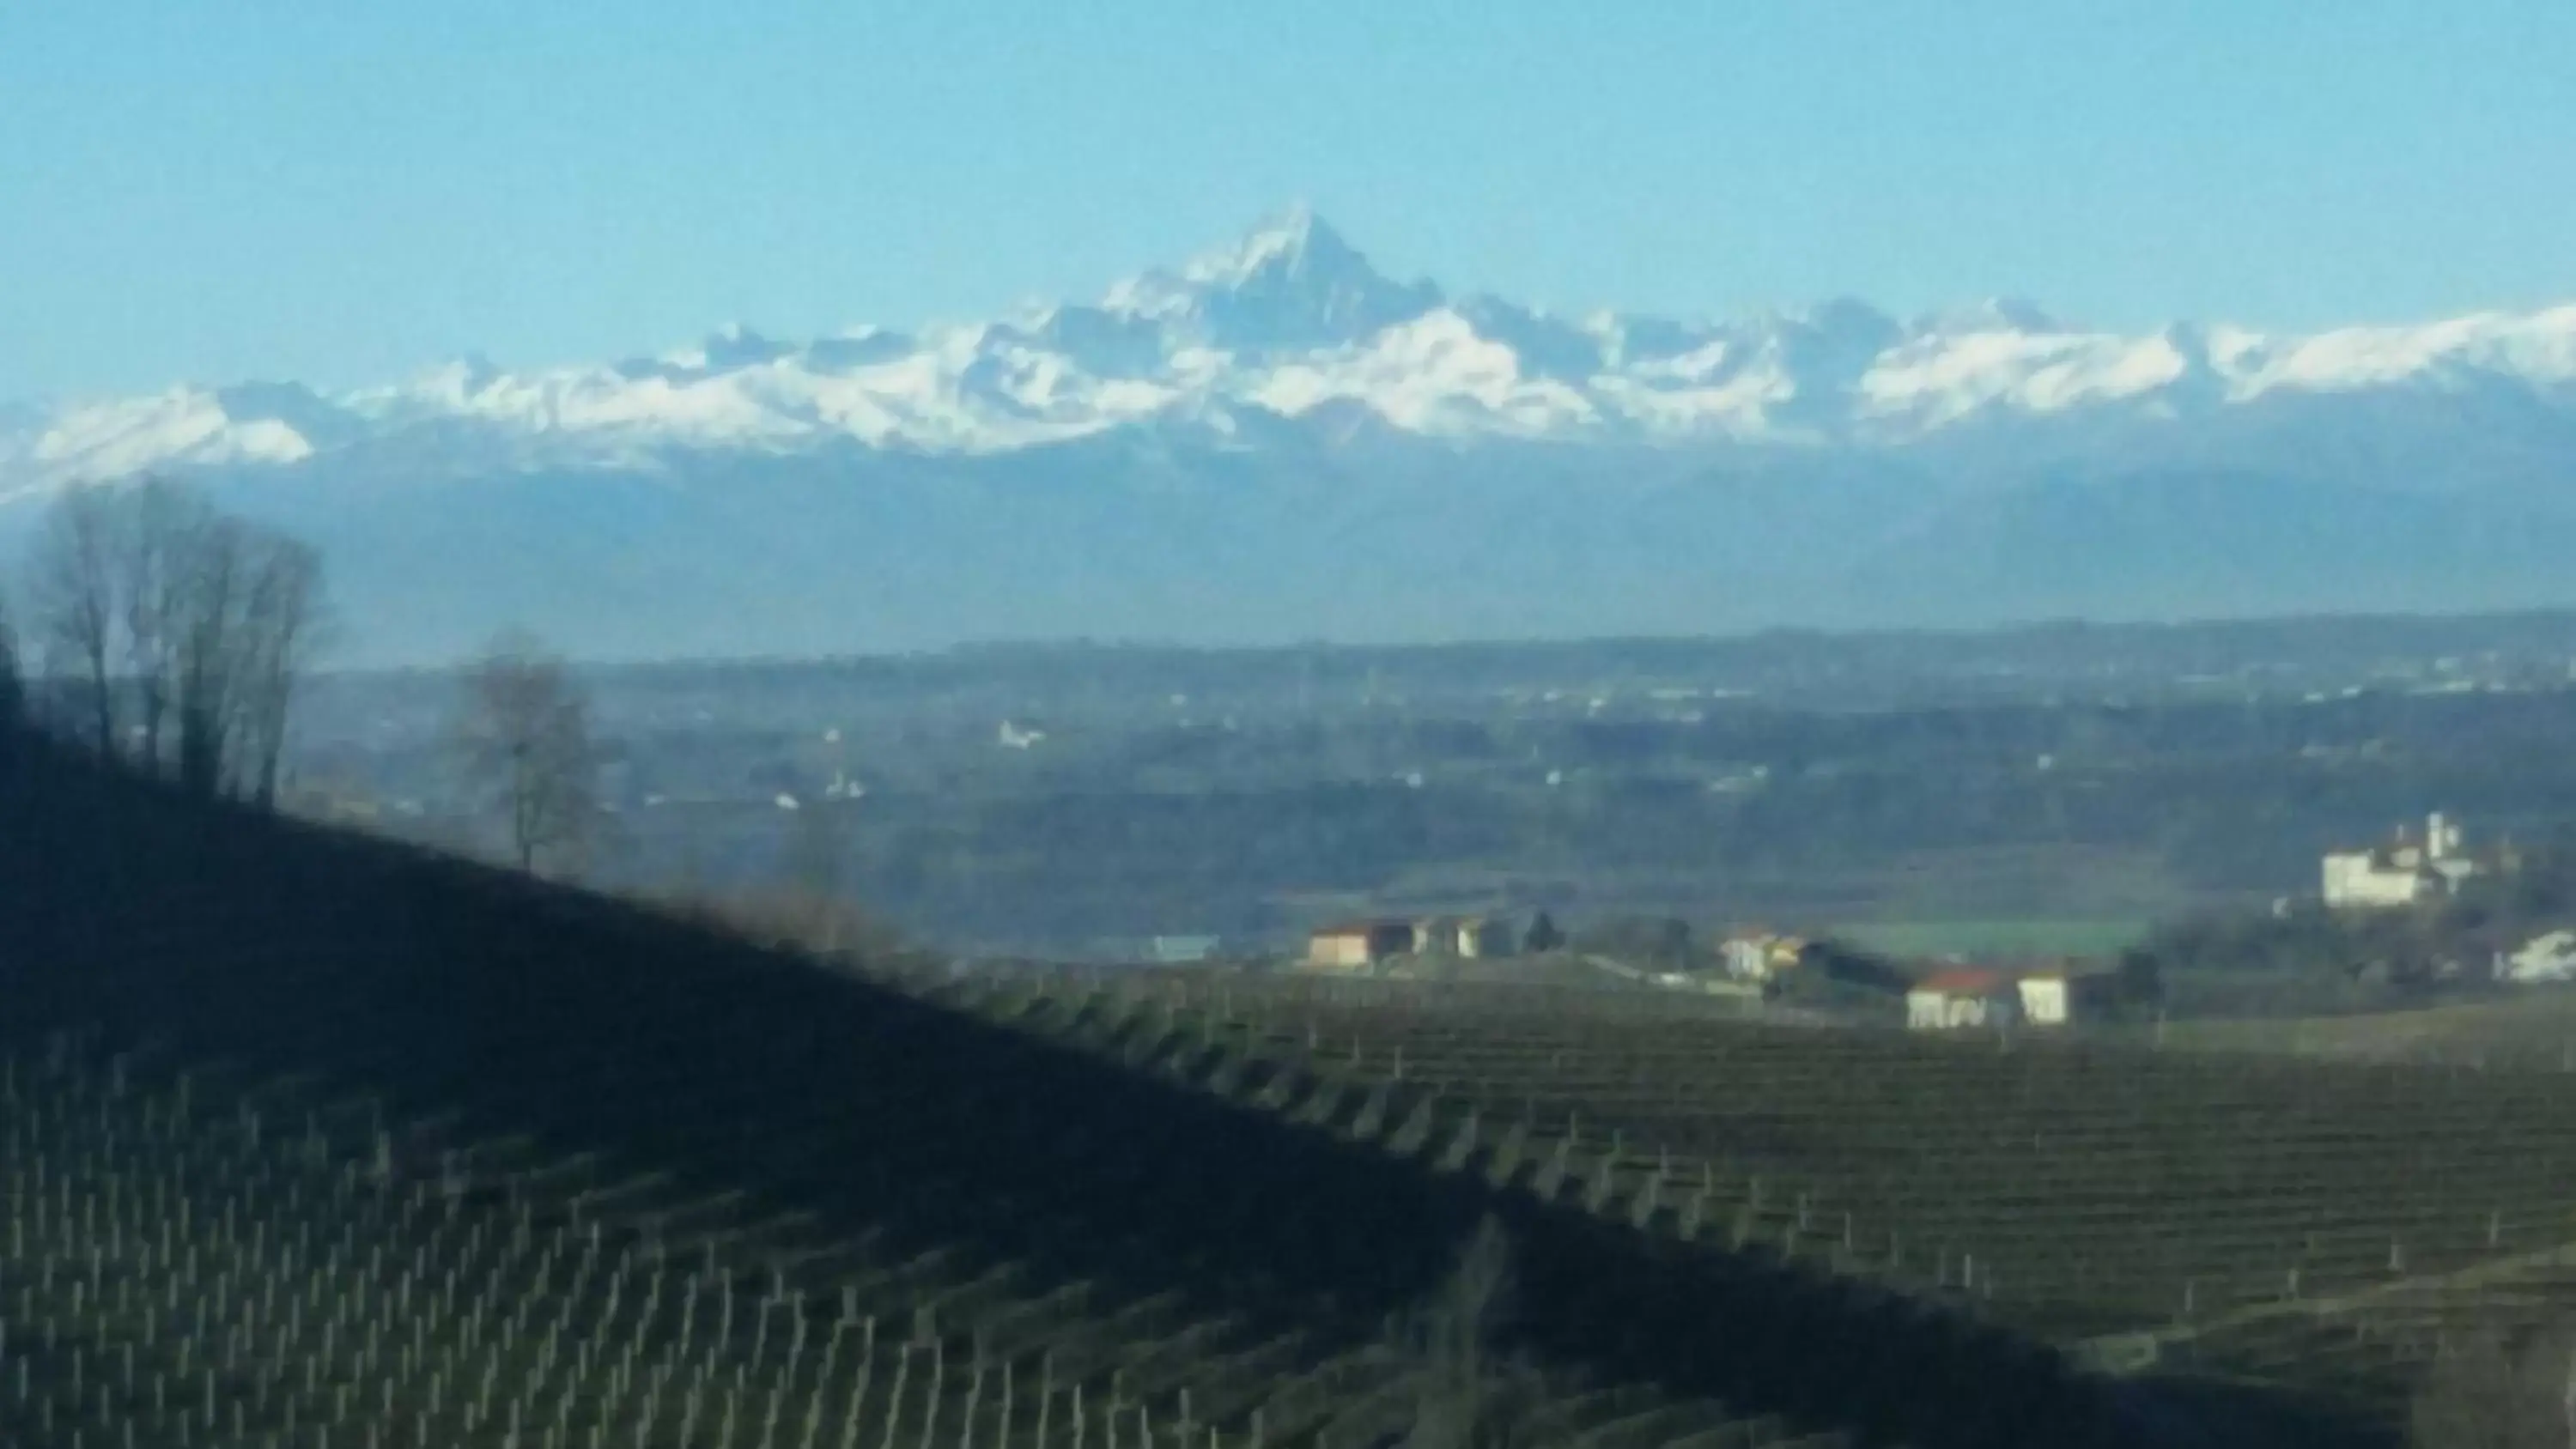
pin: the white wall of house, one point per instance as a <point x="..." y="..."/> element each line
<point x="2355" y="879"/>
<point x="1957" y="1010"/>
<point x="1339" y="951"/>
<point x="1748" y="958"/>
<point x="2043" y="1000"/>
<point x="2408" y="872"/>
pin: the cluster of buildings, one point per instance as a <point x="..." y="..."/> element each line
<point x="1752" y="961"/>
<point x="1360" y="944"/>
<point x="2404" y="870"/>
<point x="2411" y="868"/>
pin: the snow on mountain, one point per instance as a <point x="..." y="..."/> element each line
<point x="1292" y="321"/>
<point x="1929" y="381"/>
<point x="1292" y="283"/>
<point x="2538" y="348"/>
<point x="1435" y="374"/>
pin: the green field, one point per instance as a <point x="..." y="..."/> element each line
<point x="2028" y="936"/>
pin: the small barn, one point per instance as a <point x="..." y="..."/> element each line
<point x="1949" y="1000"/>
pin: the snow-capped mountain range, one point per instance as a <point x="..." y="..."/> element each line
<point x="1275" y="440"/>
<point x="1291" y="322"/>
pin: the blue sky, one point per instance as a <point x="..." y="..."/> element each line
<point x="345" y="192"/>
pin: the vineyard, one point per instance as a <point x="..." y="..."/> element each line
<point x="2332" y="1229"/>
<point x="310" y="1141"/>
<point x="192" y="1262"/>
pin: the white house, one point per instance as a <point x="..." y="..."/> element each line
<point x="2400" y="873"/>
<point x="2547" y="957"/>
<point x="1760" y="955"/>
<point x="1948" y="1000"/>
<point x="2044" y="998"/>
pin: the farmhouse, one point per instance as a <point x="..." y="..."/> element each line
<point x="1947" y="1000"/>
<point x="1357" y="945"/>
<point x="2400" y="872"/>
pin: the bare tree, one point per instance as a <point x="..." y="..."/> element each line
<point x="215" y="588"/>
<point x="146" y="594"/>
<point x="77" y="607"/>
<point x="523" y="736"/>
<point x="13" y="679"/>
<point x="287" y="621"/>
<point x="1466" y="1394"/>
<point x="159" y="525"/>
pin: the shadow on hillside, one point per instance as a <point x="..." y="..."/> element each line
<point x="440" y="986"/>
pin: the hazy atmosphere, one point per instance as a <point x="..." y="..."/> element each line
<point x="1317" y="727"/>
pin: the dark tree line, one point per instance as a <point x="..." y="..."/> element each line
<point x="169" y="635"/>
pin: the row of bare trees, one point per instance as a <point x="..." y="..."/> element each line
<point x="174" y="633"/>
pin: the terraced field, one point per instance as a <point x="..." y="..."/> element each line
<point x="308" y="1141"/>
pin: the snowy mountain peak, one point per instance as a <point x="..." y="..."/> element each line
<point x="1289" y="331"/>
<point x="1291" y="282"/>
<point x="1285" y="240"/>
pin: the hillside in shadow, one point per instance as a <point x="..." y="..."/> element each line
<point x="487" y="1005"/>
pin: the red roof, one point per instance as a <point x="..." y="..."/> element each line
<point x="1962" y="983"/>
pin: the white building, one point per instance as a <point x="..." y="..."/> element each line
<point x="1950" y="1000"/>
<point x="2547" y="957"/>
<point x="1760" y="955"/>
<point x="2400" y="873"/>
<point x="2043" y="998"/>
<point x="1747" y="958"/>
